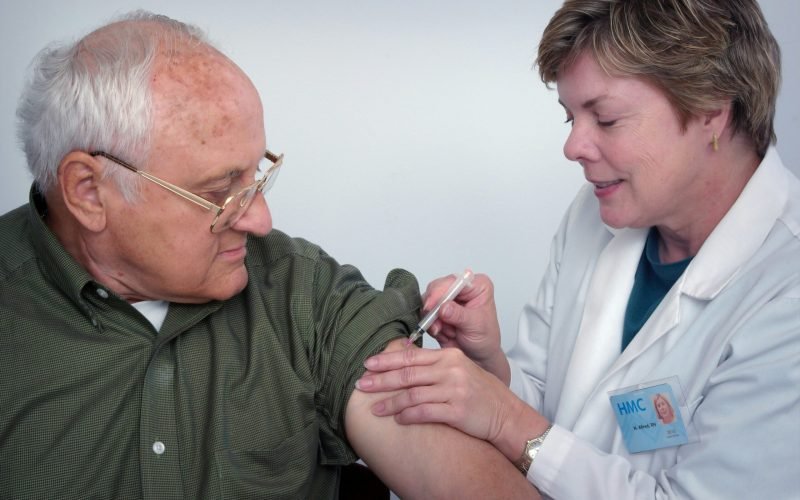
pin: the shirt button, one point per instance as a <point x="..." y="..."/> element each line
<point x="158" y="447"/>
<point x="102" y="293"/>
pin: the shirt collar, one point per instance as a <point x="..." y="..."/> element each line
<point x="742" y="230"/>
<point x="56" y="263"/>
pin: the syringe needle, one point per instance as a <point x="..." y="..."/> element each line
<point x="458" y="285"/>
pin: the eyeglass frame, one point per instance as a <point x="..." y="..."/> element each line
<point x="257" y="186"/>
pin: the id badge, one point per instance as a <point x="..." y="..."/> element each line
<point x="650" y="415"/>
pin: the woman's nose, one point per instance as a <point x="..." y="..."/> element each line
<point x="580" y="144"/>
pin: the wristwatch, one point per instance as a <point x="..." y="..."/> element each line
<point x="531" y="450"/>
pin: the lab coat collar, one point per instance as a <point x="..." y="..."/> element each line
<point x="728" y="247"/>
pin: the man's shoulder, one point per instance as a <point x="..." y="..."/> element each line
<point x="15" y="246"/>
<point x="14" y="217"/>
<point x="278" y="245"/>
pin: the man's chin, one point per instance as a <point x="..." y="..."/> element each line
<point x="219" y="289"/>
<point x="235" y="283"/>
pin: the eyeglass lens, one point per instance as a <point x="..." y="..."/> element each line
<point x="237" y="206"/>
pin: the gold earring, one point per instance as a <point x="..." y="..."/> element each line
<point x="714" y="143"/>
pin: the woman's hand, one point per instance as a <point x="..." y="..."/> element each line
<point x="469" y="323"/>
<point x="444" y="386"/>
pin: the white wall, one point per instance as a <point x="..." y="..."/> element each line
<point x="416" y="133"/>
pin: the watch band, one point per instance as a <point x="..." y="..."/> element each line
<point x="531" y="450"/>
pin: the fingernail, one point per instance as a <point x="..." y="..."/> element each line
<point x="370" y="363"/>
<point x="446" y="310"/>
<point x="378" y="408"/>
<point x="364" y="383"/>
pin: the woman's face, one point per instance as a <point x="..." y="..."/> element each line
<point x="646" y="170"/>
<point x="663" y="408"/>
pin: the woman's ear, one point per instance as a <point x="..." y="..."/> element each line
<point x="718" y="119"/>
<point x="79" y="176"/>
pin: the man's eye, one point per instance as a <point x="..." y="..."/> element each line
<point x="219" y="196"/>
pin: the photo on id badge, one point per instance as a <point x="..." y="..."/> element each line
<point x="649" y="415"/>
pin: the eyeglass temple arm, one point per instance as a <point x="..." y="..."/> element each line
<point x="182" y="192"/>
<point x="269" y="155"/>
<point x="164" y="184"/>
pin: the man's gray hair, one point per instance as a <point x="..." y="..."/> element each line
<point x="94" y="94"/>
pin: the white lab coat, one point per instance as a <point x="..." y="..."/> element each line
<point x="729" y="329"/>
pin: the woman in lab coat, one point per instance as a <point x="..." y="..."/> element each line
<point x="675" y="271"/>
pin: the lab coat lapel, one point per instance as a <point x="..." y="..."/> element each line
<point x="664" y="318"/>
<point x="599" y="338"/>
<point x="624" y="370"/>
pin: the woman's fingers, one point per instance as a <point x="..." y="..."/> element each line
<point x="392" y="360"/>
<point x="420" y="402"/>
<point x="390" y="371"/>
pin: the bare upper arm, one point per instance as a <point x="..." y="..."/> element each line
<point x="429" y="460"/>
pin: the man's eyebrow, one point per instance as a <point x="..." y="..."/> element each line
<point x="228" y="174"/>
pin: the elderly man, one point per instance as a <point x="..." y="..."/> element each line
<point x="157" y="338"/>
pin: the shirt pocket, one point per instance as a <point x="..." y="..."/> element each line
<point x="283" y="472"/>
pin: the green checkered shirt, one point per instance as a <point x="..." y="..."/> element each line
<point x="237" y="399"/>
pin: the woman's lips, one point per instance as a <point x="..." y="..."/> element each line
<point x="606" y="188"/>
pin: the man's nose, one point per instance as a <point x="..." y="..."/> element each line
<point x="257" y="219"/>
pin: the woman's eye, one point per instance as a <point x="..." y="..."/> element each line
<point x="606" y="123"/>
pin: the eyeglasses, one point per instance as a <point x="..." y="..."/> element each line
<point x="234" y="206"/>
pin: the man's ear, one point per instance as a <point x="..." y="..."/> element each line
<point x="79" y="176"/>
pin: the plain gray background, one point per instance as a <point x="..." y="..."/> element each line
<point x="416" y="133"/>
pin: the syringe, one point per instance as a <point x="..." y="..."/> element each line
<point x="464" y="280"/>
